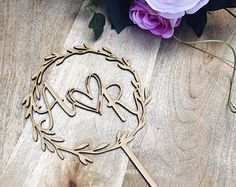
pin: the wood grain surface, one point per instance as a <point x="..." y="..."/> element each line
<point x="189" y="139"/>
<point x="29" y="30"/>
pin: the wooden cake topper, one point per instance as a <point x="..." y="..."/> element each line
<point x="55" y="144"/>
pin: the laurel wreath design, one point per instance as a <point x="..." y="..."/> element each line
<point x="48" y="138"/>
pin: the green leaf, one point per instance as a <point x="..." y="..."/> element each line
<point x="220" y="4"/>
<point x="97" y="23"/>
<point x="197" y="21"/>
<point x="118" y="14"/>
<point x="95" y="2"/>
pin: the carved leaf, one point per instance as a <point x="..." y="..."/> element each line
<point x="89" y="159"/>
<point x="60" y="61"/>
<point x="107" y="50"/>
<point x="102" y="146"/>
<point x="124" y="67"/>
<point x="148" y="99"/>
<point x="85" y="160"/>
<point x="134" y="83"/>
<point x="50" y="147"/>
<point x="35" y="75"/>
<point x="28" y="112"/>
<point x="147" y="96"/>
<point x="26" y="100"/>
<point x="37" y="92"/>
<point x="118" y="136"/>
<point x="48" y="132"/>
<point x="43" y="146"/>
<point x="86" y="46"/>
<point x="111" y="59"/>
<point x="49" y="57"/>
<point x="39" y="79"/>
<point x="126" y="61"/>
<point x="35" y="134"/>
<point x="57" y="139"/>
<point x="60" y="154"/>
<point x="82" y="146"/>
<point x="57" y="54"/>
<point x="145" y="93"/>
<point x="71" y="50"/>
<point x="79" y="47"/>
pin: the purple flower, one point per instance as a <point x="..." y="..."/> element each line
<point x="146" y="18"/>
<point x="176" y="8"/>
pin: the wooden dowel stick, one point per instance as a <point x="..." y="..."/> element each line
<point x="139" y="166"/>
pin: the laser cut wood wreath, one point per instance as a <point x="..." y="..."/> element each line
<point x="48" y="138"/>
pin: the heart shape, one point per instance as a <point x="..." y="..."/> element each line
<point x="76" y="102"/>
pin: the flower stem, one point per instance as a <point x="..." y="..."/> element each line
<point x="231" y="13"/>
<point x="229" y="103"/>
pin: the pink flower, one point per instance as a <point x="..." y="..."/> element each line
<point x="176" y="8"/>
<point x="146" y="18"/>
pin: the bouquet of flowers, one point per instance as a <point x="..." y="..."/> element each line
<point x="160" y="17"/>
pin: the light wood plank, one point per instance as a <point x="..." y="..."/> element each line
<point x="29" y="30"/>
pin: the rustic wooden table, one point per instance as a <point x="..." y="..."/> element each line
<point x="190" y="135"/>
